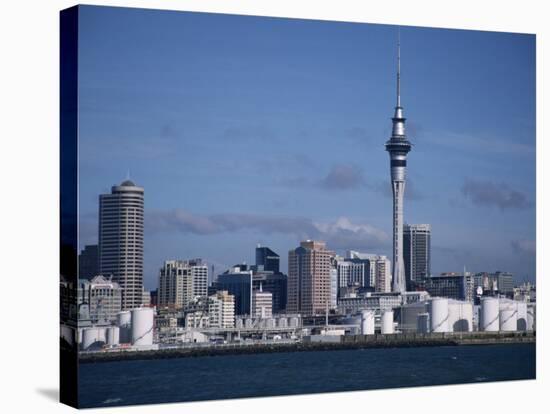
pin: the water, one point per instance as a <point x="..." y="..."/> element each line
<point x="240" y="376"/>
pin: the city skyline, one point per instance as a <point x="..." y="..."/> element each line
<point x="223" y="173"/>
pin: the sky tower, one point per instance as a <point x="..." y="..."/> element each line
<point x="398" y="146"/>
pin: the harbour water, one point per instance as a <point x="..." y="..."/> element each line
<point x="240" y="376"/>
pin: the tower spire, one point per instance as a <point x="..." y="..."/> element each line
<point x="399" y="67"/>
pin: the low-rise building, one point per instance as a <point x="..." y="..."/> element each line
<point x="262" y="304"/>
<point x="101" y="297"/>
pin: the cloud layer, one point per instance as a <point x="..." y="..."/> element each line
<point x="343" y="177"/>
<point x="491" y="194"/>
<point x="340" y="234"/>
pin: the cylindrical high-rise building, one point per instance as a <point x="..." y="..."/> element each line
<point x="398" y="147"/>
<point x="121" y="240"/>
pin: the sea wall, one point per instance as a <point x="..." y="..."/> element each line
<point x="345" y="342"/>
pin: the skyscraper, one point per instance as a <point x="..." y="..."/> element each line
<point x="416" y="253"/>
<point x="398" y="147"/>
<point x="309" y="278"/>
<point x="180" y="281"/>
<point x="121" y="240"/>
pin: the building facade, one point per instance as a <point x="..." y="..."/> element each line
<point x="181" y="281"/>
<point x="262" y="304"/>
<point x="221" y="310"/>
<point x="459" y="286"/>
<point x="416" y="253"/>
<point x="100" y="297"/>
<point x="238" y="282"/>
<point x="495" y="283"/>
<point x="309" y="278"/>
<point x="121" y="240"/>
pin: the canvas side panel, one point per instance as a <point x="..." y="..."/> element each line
<point x="68" y="205"/>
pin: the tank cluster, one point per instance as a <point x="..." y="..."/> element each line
<point x="133" y="328"/>
<point x="440" y="315"/>
<point x="505" y="315"/>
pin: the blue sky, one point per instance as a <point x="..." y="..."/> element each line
<point x="247" y="130"/>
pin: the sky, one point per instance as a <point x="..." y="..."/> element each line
<point x="246" y="130"/>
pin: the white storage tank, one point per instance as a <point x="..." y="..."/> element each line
<point x="124" y="322"/>
<point x="282" y="322"/>
<point x="439" y="315"/>
<point x="522" y="316"/>
<point x="248" y="323"/>
<point x="508" y="318"/>
<point x="460" y="316"/>
<point x="239" y="323"/>
<point x="423" y="323"/>
<point x="270" y="323"/>
<point x="113" y="335"/>
<point x="93" y="337"/>
<point x="386" y="321"/>
<point x="293" y="322"/>
<point x="367" y="322"/>
<point x="142" y="326"/>
<point x="531" y="317"/>
<point x="490" y="314"/>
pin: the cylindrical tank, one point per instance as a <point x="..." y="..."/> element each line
<point x="531" y="317"/>
<point x="248" y="323"/>
<point x="282" y="323"/>
<point x="142" y="326"/>
<point x="439" y="315"/>
<point x="293" y="322"/>
<point x="522" y="316"/>
<point x="113" y="335"/>
<point x="489" y="314"/>
<point x="124" y="322"/>
<point x="93" y="337"/>
<point x="239" y="323"/>
<point x="387" y="322"/>
<point x="367" y="322"/>
<point x="270" y="323"/>
<point x="423" y="323"/>
<point x="508" y="318"/>
<point x="460" y="316"/>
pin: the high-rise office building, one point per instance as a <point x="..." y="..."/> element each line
<point x="121" y="240"/>
<point x="181" y="281"/>
<point x="267" y="258"/>
<point x="398" y="147"/>
<point x="88" y="262"/>
<point x="372" y="271"/>
<point x="416" y="253"/>
<point x="309" y="278"/>
<point x="381" y="267"/>
<point x="238" y="282"/>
